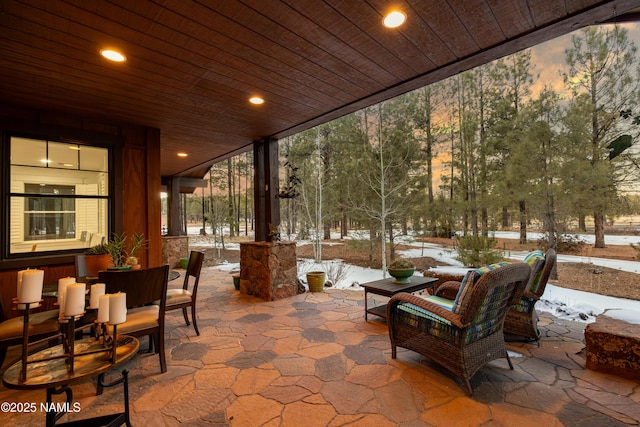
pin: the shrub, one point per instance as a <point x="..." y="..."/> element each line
<point x="477" y="251"/>
<point x="401" y="264"/>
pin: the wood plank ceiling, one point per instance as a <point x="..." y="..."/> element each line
<point x="192" y="65"/>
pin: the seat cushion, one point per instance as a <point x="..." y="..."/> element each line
<point x="45" y="322"/>
<point x="178" y="296"/>
<point x="442" y="302"/>
<point x="470" y="279"/>
<point x="140" y="318"/>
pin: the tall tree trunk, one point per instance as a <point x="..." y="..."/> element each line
<point x="523" y="222"/>
<point x="392" y="246"/>
<point x="372" y="237"/>
<point x="327" y="230"/>
<point x="505" y="218"/>
<point x="598" y="223"/>
<point x="230" y="198"/>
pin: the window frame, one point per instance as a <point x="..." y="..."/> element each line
<point x="82" y="138"/>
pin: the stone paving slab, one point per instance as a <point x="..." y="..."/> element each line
<point x="313" y="360"/>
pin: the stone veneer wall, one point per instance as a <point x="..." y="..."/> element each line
<point x="174" y="248"/>
<point x="613" y="343"/>
<point x="268" y="270"/>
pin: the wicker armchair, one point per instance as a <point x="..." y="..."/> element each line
<point x="522" y="319"/>
<point x="466" y="336"/>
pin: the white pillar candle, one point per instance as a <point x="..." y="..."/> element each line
<point x="74" y="299"/>
<point x="31" y="286"/>
<point x="97" y="290"/>
<point x="20" y="273"/>
<point x="20" y="306"/>
<point x="62" y="287"/>
<point x="103" y="309"/>
<point x="117" y="308"/>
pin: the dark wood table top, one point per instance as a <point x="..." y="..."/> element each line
<point x="387" y="287"/>
<point x="53" y="373"/>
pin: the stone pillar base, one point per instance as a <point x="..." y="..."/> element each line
<point x="268" y="270"/>
<point x="174" y="248"/>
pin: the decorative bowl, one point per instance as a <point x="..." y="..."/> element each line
<point x="401" y="275"/>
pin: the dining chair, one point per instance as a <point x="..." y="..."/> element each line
<point x="185" y="298"/>
<point x="146" y="291"/>
<point x="81" y="269"/>
<point x="41" y="325"/>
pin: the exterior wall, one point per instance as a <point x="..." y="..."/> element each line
<point x="136" y="174"/>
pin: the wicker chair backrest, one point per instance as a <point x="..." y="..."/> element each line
<point x="490" y="298"/>
<point x="470" y="279"/>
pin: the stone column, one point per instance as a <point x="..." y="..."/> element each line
<point x="268" y="270"/>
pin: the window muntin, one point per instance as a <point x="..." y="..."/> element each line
<point x="59" y="195"/>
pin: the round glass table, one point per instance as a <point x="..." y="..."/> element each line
<point x="45" y="371"/>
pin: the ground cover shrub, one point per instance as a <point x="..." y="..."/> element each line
<point x="477" y="251"/>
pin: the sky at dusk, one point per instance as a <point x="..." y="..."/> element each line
<point x="549" y="58"/>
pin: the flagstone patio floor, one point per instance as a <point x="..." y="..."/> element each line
<point x="313" y="360"/>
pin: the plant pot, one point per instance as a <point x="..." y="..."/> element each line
<point x="184" y="263"/>
<point x="236" y="281"/>
<point x="315" y="279"/>
<point x="401" y="275"/>
<point x="96" y="263"/>
<point x="121" y="268"/>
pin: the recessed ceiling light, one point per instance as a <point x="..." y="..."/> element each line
<point x="394" y="19"/>
<point x="182" y="154"/>
<point x="256" y="100"/>
<point x="113" y="55"/>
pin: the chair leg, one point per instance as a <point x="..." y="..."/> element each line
<point x="99" y="386"/>
<point x="184" y="313"/>
<point x="469" y="389"/>
<point x="3" y="354"/>
<point x="508" y="359"/>
<point x="160" y="350"/>
<point x="195" y="321"/>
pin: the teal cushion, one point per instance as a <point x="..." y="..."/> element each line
<point x="469" y="280"/>
<point x="536" y="274"/>
<point x="533" y="256"/>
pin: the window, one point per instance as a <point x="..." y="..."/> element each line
<point x="59" y="195"/>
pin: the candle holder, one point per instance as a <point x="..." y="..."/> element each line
<point x="108" y="340"/>
<point x="67" y="334"/>
<point x="26" y="307"/>
<point x="68" y="337"/>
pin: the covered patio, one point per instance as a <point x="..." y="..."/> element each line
<point x="313" y="360"/>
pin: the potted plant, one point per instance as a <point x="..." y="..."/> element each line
<point x="315" y="280"/>
<point x="97" y="258"/>
<point x="115" y="253"/>
<point x="401" y="270"/>
<point x="290" y="191"/>
<point x="123" y="257"/>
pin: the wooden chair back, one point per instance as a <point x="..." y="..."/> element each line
<point x="193" y="271"/>
<point x="143" y="287"/>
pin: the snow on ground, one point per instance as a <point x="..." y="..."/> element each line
<point x="561" y="302"/>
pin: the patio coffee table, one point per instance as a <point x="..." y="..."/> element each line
<point x="387" y="288"/>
